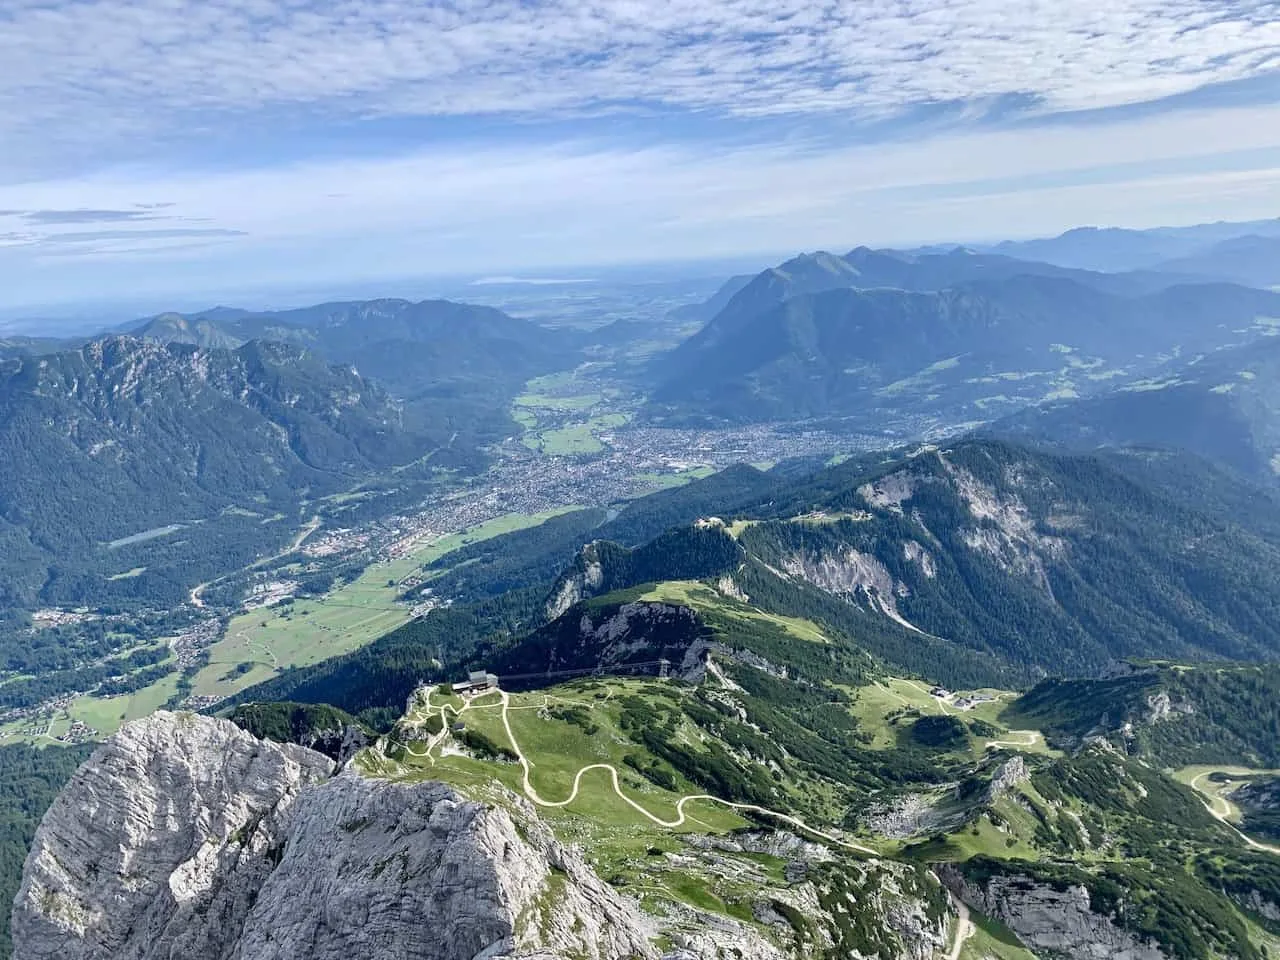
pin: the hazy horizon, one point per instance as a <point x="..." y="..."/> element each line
<point x="86" y="312"/>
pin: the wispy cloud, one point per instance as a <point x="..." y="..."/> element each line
<point x="136" y="66"/>
<point x="186" y="131"/>
<point x="128" y="230"/>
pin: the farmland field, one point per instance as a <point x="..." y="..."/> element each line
<point x="307" y="631"/>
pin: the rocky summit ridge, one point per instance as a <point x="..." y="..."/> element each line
<point x="185" y="836"/>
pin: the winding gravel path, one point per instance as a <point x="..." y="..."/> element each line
<point x="1211" y="801"/>
<point x="964" y="925"/>
<point x="680" y="818"/>
<point x="964" y="929"/>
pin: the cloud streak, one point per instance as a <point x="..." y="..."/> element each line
<point x="53" y="217"/>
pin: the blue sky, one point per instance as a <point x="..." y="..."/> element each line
<point x="156" y="149"/>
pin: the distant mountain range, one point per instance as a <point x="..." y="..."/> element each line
<point x="1252" y="260"/>
<point x="1116" y="249"/>
<point x="460" y="365"/>
<point x="934" y="338"/>
<point x="414" y="349"/>
<point x="965" y="334"/>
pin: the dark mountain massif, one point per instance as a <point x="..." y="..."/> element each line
<point x="968" y="349"/>
<point x="868" y="268"/>
<point x="126" y="442"/>
<point x="1224" y="407"/>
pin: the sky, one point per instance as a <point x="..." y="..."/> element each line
<point x="165" y="150"/>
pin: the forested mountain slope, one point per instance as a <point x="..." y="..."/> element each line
<point x="967" y="349"/>
<point x="1062" y="563"/>
<point x="1223" y="406"/>
<point x="126" y="437"/>
<point x="1170" y="714"/>
<point x="1042" y="563"/>
<point x="979" y="564"/>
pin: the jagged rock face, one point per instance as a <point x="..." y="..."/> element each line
<point x="1009" y="774"/>
<point x="338" y="743"/>
<point x="159" y="843"/>
<point x="187" y="837"/>
<point x="1051" y="922"/>
<point x="1161" y="707"/>
<point x="855" y="576"/>
<point x="576" y="585"/>
<point x="1003" y="527"/>
<point x="905" y="816"/>
<point x="387" y="870"/>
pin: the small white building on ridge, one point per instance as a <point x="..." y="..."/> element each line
<point x="476" y="682"/>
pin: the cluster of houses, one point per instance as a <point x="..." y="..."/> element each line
<point x="967" y="702"/>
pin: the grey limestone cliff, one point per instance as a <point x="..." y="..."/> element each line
<point x="159" y="843"/>
<point x="1053" y="922"/>
<point x="185" y="836"/>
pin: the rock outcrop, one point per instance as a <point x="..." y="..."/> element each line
<point x="160" y="841"/>
<point x="185" y="836"/>
<point x="581" y="581"/>
<point x="855" y="576"/>
<point x="1050" y="921"/>
<point x="1007" y="776"/>
<point x="389" y="870"/>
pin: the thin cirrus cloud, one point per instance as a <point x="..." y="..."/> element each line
<point x="94" y="236"/>
<point x="122" y="113"/>
<point x="141" y="58"/>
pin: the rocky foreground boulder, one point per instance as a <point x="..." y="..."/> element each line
<point x="185" y="836"/>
